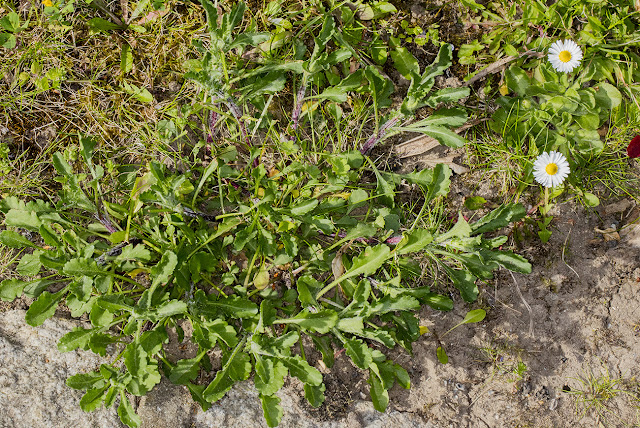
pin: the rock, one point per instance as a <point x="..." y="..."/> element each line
<point x="33" y="392"/>
<point x="33" y="374"/>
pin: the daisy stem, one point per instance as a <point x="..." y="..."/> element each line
<point x="546" y="200"/>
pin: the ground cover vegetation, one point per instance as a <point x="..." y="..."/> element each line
<point x="224" y="169"/>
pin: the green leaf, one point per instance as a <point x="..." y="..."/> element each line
<point x="11" y="288"/>
<point x="92" y="399"/>
<point x="126" y="58"/>
<point x="440" y="182"/>
<point x="98" y="343"/>
<point x="390" y="304"/>
<point x="442" y="355"/>
<point x="590" y="199"/>
<point x="302" y="370"/>
<point x="82" y="267"/>
<point x="379" y="395"/>
<point x="507" y="259"/>
<point x="85" y="381"/>
<point x="359" y="352"/>
<point x="164" y="269"/>
<point x="473" y="316"/>
<point x="44" y="307"/>
<point x="474" y="202"/>
<point x="368" y="262"/>
<point x="126" y="413"/>
<point x="465" y="282"/>
<point x="270" y="374"/>
<point x="498" y="218"/>
<point x="321" y="321"/>
<point x="608" y="96"/>
<point x="252" y="39"/>
<point x="101" y="24"/>
<point x="405" y="62"/>
<point x="442" y="134"/>
<point x="76" y="338"/>
<point x="186" y="370"/>
<point x="25" y="219"/>
<point x="14" y="240"/>
<point x="271" y="409"/>
<point x="314" y="394"/>
<point x="235" y="306"/>
<point x="140" y="94"/>
<point x="303" y="207"/>
<point x="414" y="241"/>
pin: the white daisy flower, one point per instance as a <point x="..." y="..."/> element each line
<point x="550" y="169"/>
<point x="565" y="55"/>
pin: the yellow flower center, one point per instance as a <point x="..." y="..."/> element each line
<point x="552" y="169"/>
<point x="564" y="56"/>
<point x="47" y="3"/>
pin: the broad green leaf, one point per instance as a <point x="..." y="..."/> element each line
<point x="82" y="267"/>
<point x="449" y="117"/>
<point x="126" y="413"/>
<point x="314" y="394"/>
<point x="414" y="241"/>
<point x="442" y="134"/>
<point x="14" y="240"/>
<point x="353" y="325"/>
<point x="447" y="95"/>
<point x="252" y="39"/>
<point x="590" y="199"/>
<point x="140" y="94"/>
<point x="498" y="218"/>
<point x="321" y="321"/>
<point x="98" y="343"/>
<point x="303" y="207"/>
<point x="23" y="218"/>
<point x="465" y="282"/>
<point x="92" y="399"/>
<point x="302" y="370"/>
<point x="368" y="262"/>
<point x="101" y="24"/>
<point x="440" y="182"/>
<point x="405" y="62"/>
<point x="270" y="374"/>
<point x="164" y="269"/>
<point x="379" y="395"/>
<point x="85" y="381"/>
<point x="271" y="409"/>
<point x="390" y="304"/>
<point x="11" y="288"/>
<point x="359" y="352"/>
<point x="608" y="96"/>
<point x="44" y="307"/>
<point x="76" y="338"/>
<point x="442" y="355"/>
<point x="185" y="370"/>
<point x="459" y="230"/>
<point x="126" y="58"/>
<point x="235" y="306"/>
<point x="507" y="259"/>
<point x="196" y="393"/>
<point x="474" y="202"/>
<point x="473" y="316"/>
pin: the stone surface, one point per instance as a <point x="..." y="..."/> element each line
<point x="33" y="391"/>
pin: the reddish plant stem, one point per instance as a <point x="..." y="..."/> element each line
<point x="375" y="139"/>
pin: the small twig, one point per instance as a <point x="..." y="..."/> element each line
<point x="526" y="305"/>
<point x="564" y="246"/>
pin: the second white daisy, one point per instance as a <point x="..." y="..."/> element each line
<point x="550" y="169"/>
<point x="565" y="55"/>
